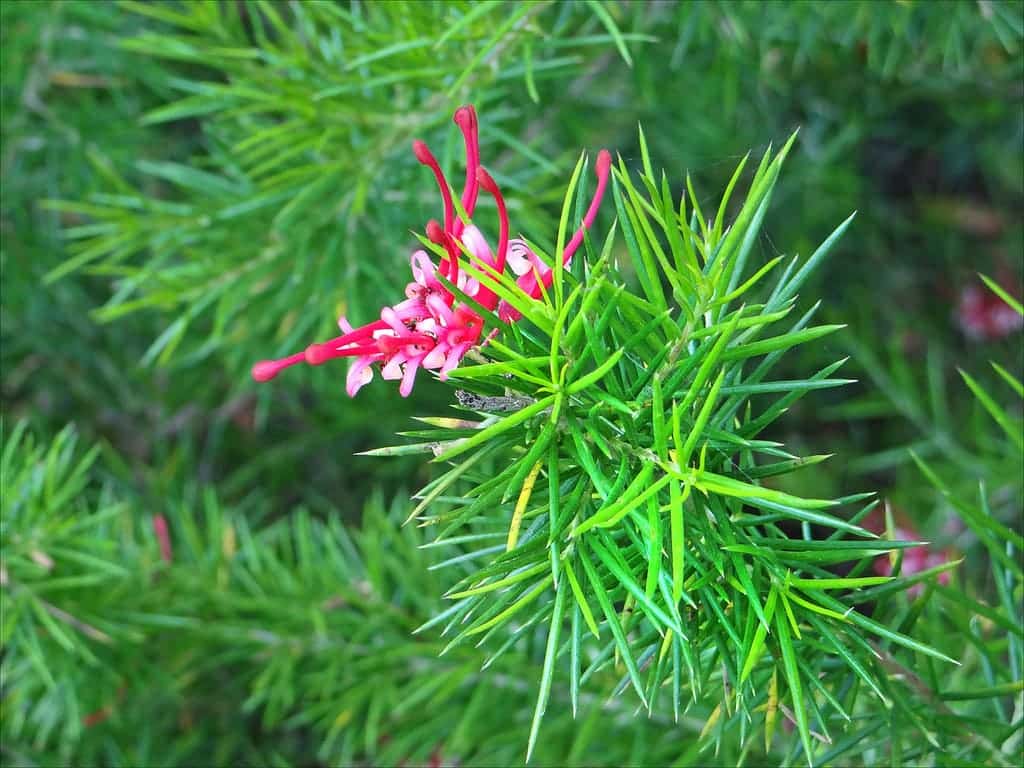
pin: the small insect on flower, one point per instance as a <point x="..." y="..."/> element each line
<point x="429" y="329"/>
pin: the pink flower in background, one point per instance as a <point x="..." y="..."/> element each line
<point x="429" y="329"/>
<point x="984" y="316"/>
<point x="915" y="559"/>
<point x="163" y="537"/>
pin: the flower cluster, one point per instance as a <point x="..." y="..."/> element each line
<point x="429" y="329"/>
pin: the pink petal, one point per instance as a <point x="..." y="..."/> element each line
<point x="507" y="313"/>
<point x="440" y="309"/>
<point x="468" y="285"/>
<point x="411" y="309"/>
<point x="519" y="256"/>
<point x="477" y="245"/>
<point x="409" y="378"/>
<point x="358" y="375"/>
<point x="436" y="357"/>
<point x="427" y="325"/>
<point x="423" y="270"/>
<point x="389" y="316"/>
<point x="392" y="370"/>
<point x="454" y="358"/>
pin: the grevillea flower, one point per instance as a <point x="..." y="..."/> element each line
<point x="429" y="329"/>
<point x="983" y="315"/>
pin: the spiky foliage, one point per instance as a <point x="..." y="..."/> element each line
<point x="992" y="622"/>
<point x="909" y="112"/>
<point x="614" y="485"/>
<point x="297" y="628"/>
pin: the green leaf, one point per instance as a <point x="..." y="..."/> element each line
<point x="876" y="628"/>
<point x="990" y="692"/>
<point x="613" y="622"/>
<point x="852" y="661"/>
<point x="596" y="375"/>
<point x="548" y="670"/>
<point x="518" y="605"/>
<point x="1002" y="294"/>
<point x="609" y="23"/>
<point x="777" y="343"/>
<point x="557" y="267"/>
<point x="651" y="608"/>
<point x="683" y="457"/>
<point x="750" y="283"/>
<point x="631" y="498"/>
<point x="677" y="538"/>
<point x="815" y="260"/>
<point x="1013" y="429"/>
<point x="581" y="599"/>
<point x="500" y="584"/>
<point x="789" y="665"/>
<point x="754" y="652"/>
<point x="798" y="385"/>
<point x="710" y="482"/>
<point x="854" y="583"/>
<point x="493" y="431"/>
<point x="1014" y="382"/>
<point x="716" y="232"/>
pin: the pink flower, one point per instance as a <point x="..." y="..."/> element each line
<point x="428" y="329"/>
<point x="915" y="559"/>
<point x="163" y="536"/>
<point x="983" y="315"/>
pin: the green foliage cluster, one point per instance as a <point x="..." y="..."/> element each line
<point x="639" y="554"/>
<point x="298" y="627"/>
<point x="629" y="496"/>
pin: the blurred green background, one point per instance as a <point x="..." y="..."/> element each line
<point x="191" y="187"/>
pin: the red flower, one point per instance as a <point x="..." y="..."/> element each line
<point x="428" y="329"/>
<point x="984" y="316"/>
<point x="163" y="536"/>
